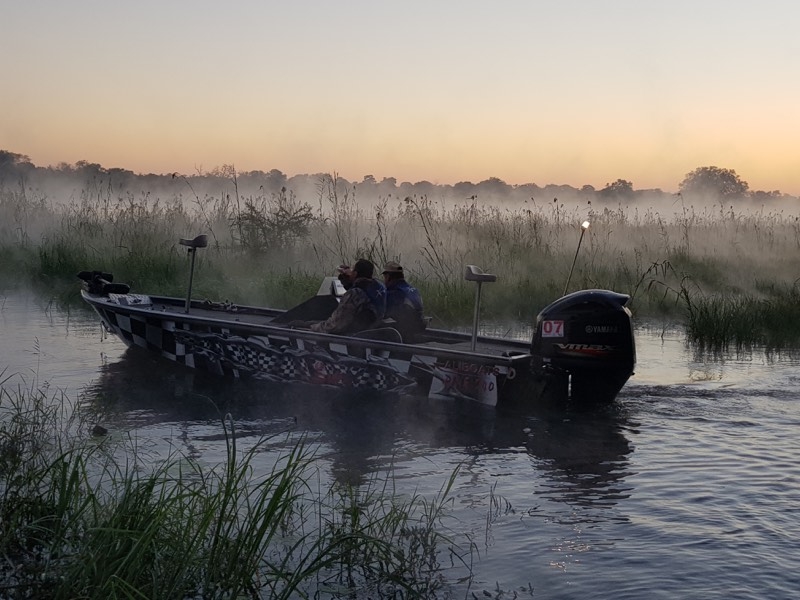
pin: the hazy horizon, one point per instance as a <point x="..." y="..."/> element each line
<point x="574" y="93"/>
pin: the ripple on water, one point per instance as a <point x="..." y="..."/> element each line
<point x="688" y="487"/>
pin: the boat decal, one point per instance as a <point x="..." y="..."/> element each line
<point x="457" y="379"/>
<point x="478" y="386"/>
<point x="598" y="350"/>
<point x="601" y="329"/>
<point x="552" y="328"/>
<point x="258" y="358"/>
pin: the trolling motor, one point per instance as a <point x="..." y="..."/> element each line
<point x="201" y="241"/>
<point x="102" y="284"/>
<point x="473" y="273"/>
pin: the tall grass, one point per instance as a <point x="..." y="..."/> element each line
<point x="83" y="517"/>
<point x="275" y="249"/>
<point x="718" y="322"/>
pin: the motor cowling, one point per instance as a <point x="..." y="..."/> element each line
<point x="588" y="336"/>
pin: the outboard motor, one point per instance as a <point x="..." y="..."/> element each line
<point x="583" y="344"/>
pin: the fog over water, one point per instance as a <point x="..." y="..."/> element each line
<point x="687" y="487"/>
<point x="524" y="233"/>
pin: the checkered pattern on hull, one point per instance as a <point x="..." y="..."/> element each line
<point x="284" y="358"/>
<point x="152" y="333"/>
<point x="279" y="359"/>
<point x="257" y="357"/>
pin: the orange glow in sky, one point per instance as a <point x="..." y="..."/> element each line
<point x="575" y="92"/>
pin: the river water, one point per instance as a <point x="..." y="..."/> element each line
<point x="687" y="487"/>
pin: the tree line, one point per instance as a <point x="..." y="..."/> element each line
<point x="707" y="183"/>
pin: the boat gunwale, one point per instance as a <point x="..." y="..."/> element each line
<point x="427" y="348"/>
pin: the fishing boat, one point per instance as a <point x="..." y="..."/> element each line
<point x="582" y="348"/>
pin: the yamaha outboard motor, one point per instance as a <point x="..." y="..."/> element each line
<point x="583" y="345"/>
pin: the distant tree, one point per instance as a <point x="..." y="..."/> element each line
<point x="13" y="164"/>
<point x="618" y="189"/>
<point x="464" y="188"/>
<point x="387" y="187"/>
<point x="276" y="181"/>
<point x="224" y="172"/>
<point x="424" y="188"/>
<point x="762" y="196"/>
<point x="89" y="168"/>
<point x="8" y="159"/>
<point x="493" y="186"/>
<point x="120" y="177"/>
<point x="255" y="173"/>
<point x="528" y="190"/>
<point x="714" y="181"/>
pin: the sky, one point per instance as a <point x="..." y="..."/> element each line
<point x="566" y="92"/>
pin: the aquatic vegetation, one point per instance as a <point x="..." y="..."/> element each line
<point x="719" y="322"/>
<point x="85" y="516"/>
<point x="273" y="247"/>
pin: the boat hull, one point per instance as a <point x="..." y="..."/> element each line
<point x="240" y="348"/>
<point x="582" y="349"/>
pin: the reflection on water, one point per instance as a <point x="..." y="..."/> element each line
<point x="687" y="487"/>
<point x="583" y="452"/>
<point x="39" y="342"/>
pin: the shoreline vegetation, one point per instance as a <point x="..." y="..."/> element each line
<point x="90" y="515"/>
<point x="725" y="269"/>
<point x="85" y="515"/>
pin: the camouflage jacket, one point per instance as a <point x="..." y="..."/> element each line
<point x="360" y="308"/>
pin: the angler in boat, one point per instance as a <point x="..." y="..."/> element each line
<point x="582" y="348"/>
<point x="362" y="306"/>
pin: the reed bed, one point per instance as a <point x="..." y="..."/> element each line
<point x="84" y="517"/>
<point x="675" y="260"/>
<point x="718" y="322"/>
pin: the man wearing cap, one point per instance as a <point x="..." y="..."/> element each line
<point x="403" y="303"/>
<point x="362" y="306"/>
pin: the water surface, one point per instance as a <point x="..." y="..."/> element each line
<point x="687" y="487"/>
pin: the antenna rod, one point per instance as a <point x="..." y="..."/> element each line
<point x="584" y="227"/>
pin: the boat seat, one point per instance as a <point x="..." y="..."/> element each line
<point x="201" y="241"/>
<point x="473" y="273"/>
<point x="316" y="308"/>
<point x="331" y="286"/>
